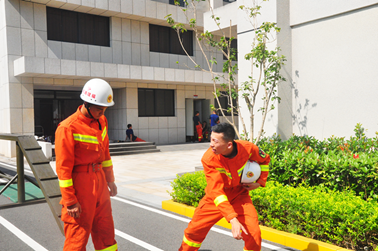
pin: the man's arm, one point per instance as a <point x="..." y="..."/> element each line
<point x="107" y="165"/>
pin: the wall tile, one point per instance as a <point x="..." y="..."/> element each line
<point x="163" y="122"/>
<point x="68" y="51"/>
<point x="179" y="75"/>
<point x="181" y="135"/>
<point x="151" y="9"/>
<point x="152" y="85"/>
<point x="12" y="10"/>
<point x="83" y="69"/>
<point x="163" y="136"/>
<point x="54" y="49"/>
<point x="144" y="33"/>
<point x="159" y="74"/>
<point x="173" y="59"/>
<point x="97" y="70"/>
<point x="116" y="28"/>
<point x="40" y="22"/>
<point x="68" y="67"/>
<point x="28" y="48"/>
<point x="111" y="70"/>
<point x="154" y="59"/>
<point x="180" y="94"/>
<point x="28" y="120"/>
<point x="135" y="31"/>
<point x="189" y="76"/>
<point x="102" y="4"/>
<point x="127" y="6"/>
<point x="13" y="40"/>
<point x="15" y="96"/>
<point x="145" y="54"/>
<point x="143" y="123"/>
<point x="139" y="7"/>
<point x="169" y="74"/>
<point x="164" y="60"/>
<point x="63" y="82"/>
<point x="27" y="93"/>
<point x="106" y="54"/>
<point x="198" y="76"/>
<point x="126" y="30"/>
<point x="117" y="52"/>
<point x="115" y="5"/>
<point x="180" y="117"/>
<point x="123" y="71"/>
<point x="126" y="52"/>
<point x="172" y="122"/>
<point x="161" y="10"/>
<point x="143" y="134"/>
<point x="16" y="118"/>
<point x="27" y="15"/>
<point x="132" y="98"/>
<point x="153" y="135"/>
<point x="172" y="135"/>
<point x="135" y="72"/>
<point x="132" y="117"/>
<point x="153" y="122"/>
<point x="135" y="54"/>
<point x="52" y="66"/>
<point x="82" y="52"/>
<point x="172" y="10"/>
<point x="147" y="73"/>
<point x="94" y="53"/>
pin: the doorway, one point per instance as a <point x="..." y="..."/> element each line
<point x="191" y="106"/>
<point x="52" y="107"/>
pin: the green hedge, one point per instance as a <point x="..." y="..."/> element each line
<point x="339" y="218"/>
<point x="335" y="163"/>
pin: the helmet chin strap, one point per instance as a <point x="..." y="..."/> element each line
<point x="87" y="105"/>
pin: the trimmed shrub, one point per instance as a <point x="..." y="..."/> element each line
<point x="339" y="218"/>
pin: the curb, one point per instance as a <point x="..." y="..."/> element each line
<point x="270" y="234"/>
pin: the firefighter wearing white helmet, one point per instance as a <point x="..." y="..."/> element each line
<point x="85" y="171"/>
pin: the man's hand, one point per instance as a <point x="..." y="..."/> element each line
<point x="237" y="227"/>
<point x="113" y="188"/>
<point x="251" y="186"/>
<point x="74" y="210"/>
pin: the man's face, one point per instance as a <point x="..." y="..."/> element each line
<point x="97" y="111"/>
<point x="218" y="144"/>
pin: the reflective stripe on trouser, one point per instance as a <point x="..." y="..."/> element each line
<point x="207" y="214"/>
<point x="96" y="217"/>
<point x="199" y="132"/>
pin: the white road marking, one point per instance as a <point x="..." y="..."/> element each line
<point x="137" y="241"/>
<point x="221" y="231"/>
<point x="21" y="235"/>
<point x="15" y="167"/>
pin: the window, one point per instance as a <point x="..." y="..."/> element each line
<point x="234" y="47"/>
<point x="182" y="3"/>
<point x="75" y="27"/>
<point x="164" y="39"/>
<point x="223" y="100"/>
<point x="155" y="102"/>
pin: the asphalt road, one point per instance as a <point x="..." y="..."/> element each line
<point x="138" y="227"/>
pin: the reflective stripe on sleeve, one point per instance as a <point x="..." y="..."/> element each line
<point x="65" y="183"/>
<point x="264" y="168"/>
<point x="222" y="170"/>
<point x="103" y="135"/>
<point x="111" y="248"/>
<point x="85" y="138"/>
<point x="190" y="243"/>
<point x="221" y="198"/>
<point x="240" y="171"/>
<point x="107" y="163"/>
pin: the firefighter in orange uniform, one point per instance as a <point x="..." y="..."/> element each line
<point x="85" y="171"/>
<point x="225" y="196"/>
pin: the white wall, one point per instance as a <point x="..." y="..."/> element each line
<point x="335" y="74"/>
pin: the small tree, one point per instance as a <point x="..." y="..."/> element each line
<point x="265" y="65"/>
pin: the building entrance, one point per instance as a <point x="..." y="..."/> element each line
<point x="52" y="107"/>
<point x="191" y="106"/>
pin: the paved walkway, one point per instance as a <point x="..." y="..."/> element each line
<point x="147" y="177"/>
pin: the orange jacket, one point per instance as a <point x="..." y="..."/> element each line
<point x="79" y="142"/>
<point x="223" y="175"/>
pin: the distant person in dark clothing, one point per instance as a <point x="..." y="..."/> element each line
<point x="214" y="119"/>
<point x="198" y="125"/>
<point x="130" y="134"/>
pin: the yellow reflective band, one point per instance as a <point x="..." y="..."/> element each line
<point x="192" y="244"/>
<point x="107" y="163"/>
<point x="221" y="198"/>
<point x="85" y="138"/>
<point x="111" y="248"/>
<point x="264" y="168"/>
<point x="222" y="170"/>
<point x="241" y="169"/>
<point x="65" y="183"/>
<point x="103" y="135"/>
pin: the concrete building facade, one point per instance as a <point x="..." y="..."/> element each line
<point x="32" y="67"/>
<point x="331" y="50"/>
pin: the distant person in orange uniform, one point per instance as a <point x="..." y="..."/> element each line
<point x="225" y="196"/>
<point x="85" y="171"/>
<point x="198" y="125"/>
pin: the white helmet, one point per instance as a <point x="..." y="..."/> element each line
<point x="251" y="172"/>
<point x="97" y="92"/>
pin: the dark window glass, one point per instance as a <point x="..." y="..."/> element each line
<point x="75" y="27"/>
<point x="182" y="3"/>
<point x="233" y="47"/>
<point x="155" y="102"/>
<point x="164" y="39"/>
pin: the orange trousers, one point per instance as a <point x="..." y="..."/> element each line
<point x="207" y="214"/>
<point x="199" y="132"/>
<point x="96" y="218"/>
